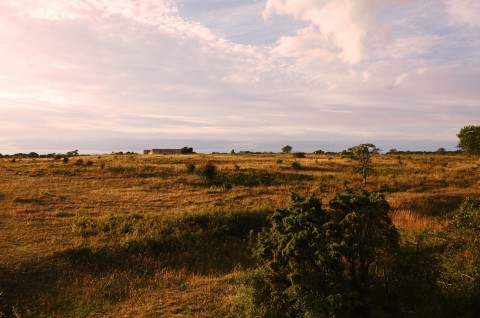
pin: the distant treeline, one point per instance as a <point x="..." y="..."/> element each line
<point x="33" y="155"/>
<point x="391" y="151"/>
<point x="75" y="153"/>
<point x="58" y="155"/>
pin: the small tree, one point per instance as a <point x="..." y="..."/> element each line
<point x="362" y="153"/>
<point x="287" y="149"/>
<point x="469" y="139"/>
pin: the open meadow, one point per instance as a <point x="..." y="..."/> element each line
<point x="170" y="236"/>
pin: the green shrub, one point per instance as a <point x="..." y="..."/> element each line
<point x="83" y="225"/>
<point x="468" y="214"/>
<point x="318" y="263"/>
<point x="298" y="155"/>
<point x="190" y="167"/>
<point x="296" y="165"/>
<point x="460" y="259"/>
<point x="208" y="171"/>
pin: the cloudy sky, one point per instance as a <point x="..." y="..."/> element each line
<point x="216" y="75"/>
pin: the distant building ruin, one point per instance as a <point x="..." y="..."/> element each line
<point x="161" y="151"/>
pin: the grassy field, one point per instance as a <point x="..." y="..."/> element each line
<point x="146" y="236"/>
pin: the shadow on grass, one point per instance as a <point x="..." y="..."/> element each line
<point x="252" y="178"/>
<point x="26" y="287"/>
<point x="76" y="281"/>
<point x="435" y="205"/>
<point x="249" y="178"/>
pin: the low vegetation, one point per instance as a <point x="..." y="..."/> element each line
<point x="201" y="236"/>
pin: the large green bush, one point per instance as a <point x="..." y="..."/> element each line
<point x="325" y="263"/>
<point x="461" y="259"/>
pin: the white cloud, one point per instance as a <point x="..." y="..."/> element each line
<point x="365" y="76"/>
<point x="400" y="79"/>
<point x="405" y="46"/>
<point x="148" y="12"/>
<point x="336" y="25"/>
<point x="464" y="11"/>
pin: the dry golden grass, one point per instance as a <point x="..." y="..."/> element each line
<point x="42" y="200"/>
<point x="178" y="294"/>
<point x="406" y="219"/>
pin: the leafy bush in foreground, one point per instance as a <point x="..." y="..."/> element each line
<point x="318" y="263"/>
<point x="461" y="259"/>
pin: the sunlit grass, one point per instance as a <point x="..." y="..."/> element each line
<point x="141" y="236"/>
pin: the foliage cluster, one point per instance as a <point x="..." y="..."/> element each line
<point x="362" y="153"/>
<point x="469" y="139"/>
<point x="462" y="261"/>
<point x="287" y="149"/>
<point x="208" y="171"/>
<point x="349" y="261"/>
<point x="298" y="155"/>
<point x="186" y="150"/>
<point x="325" y="263"/>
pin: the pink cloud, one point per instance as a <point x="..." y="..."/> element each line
<point x="336" y="25"/>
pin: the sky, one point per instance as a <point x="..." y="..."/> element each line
<point x="125" y="75"/>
